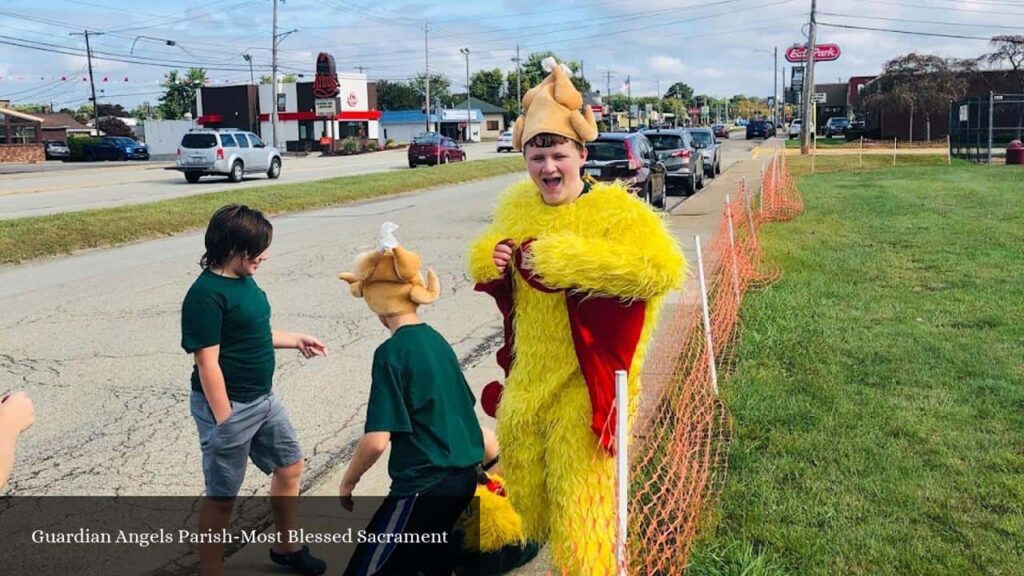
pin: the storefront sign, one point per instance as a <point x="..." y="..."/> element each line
<point x="822" y="53"/>
<point x="326" y="107"/>
<point x="325" y="85"/>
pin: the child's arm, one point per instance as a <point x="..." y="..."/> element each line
<point x="211" y="378"/>
<point x="308" y="345"/>
<point x="368" y="451"/>
<point x="16" y="414"/>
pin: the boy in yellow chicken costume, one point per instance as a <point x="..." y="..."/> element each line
<point x="578" y="271"/>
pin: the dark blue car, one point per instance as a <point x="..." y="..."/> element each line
<point x="115" y="148"/>
<point x="760" y="129"/>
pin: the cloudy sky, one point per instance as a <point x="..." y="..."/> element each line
<point x="720" y="47"/>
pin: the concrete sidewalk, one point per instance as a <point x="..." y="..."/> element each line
<point x="699" y="214"/>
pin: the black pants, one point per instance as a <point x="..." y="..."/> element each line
<point x="432" y="513"/>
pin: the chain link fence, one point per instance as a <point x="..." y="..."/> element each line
<point x="980" y="128"/>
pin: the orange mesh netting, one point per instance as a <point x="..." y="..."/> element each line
<point x="681" y="437"/>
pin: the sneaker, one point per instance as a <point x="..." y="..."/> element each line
<point x="302" y="562"/>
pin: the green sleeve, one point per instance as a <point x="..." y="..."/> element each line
<point x="202" y="316"/>
<point x="386" y="411"/>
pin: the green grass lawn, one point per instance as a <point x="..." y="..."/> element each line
<point x="822" y="142"/>
<point x="27" y="238"/>
<point x="878" y="400"/>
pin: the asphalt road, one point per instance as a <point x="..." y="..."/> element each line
<point x="59" y="187"/>
<point x="94" y="339"/>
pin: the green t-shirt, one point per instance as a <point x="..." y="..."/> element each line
<point x="420" y="396"/>
<point x="235" y="313"/>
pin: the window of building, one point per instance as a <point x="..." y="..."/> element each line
<point x="492" y="125"/>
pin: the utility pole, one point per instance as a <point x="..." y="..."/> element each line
<point x="469" y="114"/>
<point x="658" y="83"/>
<point x="519" y="83"/>
<point x="273" y="80"/>
<point x="92" y="84"/>
<point x="806" y="134"/>
<point x="608" y="95"/>
<point x="426" y="59"/>
<point x="361" y="68"/>
<point x="629" y="103"/>
<point x="775" y="87"/>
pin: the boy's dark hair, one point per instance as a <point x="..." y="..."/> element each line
<point x="545" y="140"/>
<point x="235" y="230"/>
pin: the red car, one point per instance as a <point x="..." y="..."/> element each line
<point x="431" y="148"/>
<point x="720" y="130"/>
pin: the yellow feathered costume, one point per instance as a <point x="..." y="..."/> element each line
<point x="605" y="246"/>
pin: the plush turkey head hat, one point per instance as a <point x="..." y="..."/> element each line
<point x="389" y="279"/>
<point x="553" y="107"/>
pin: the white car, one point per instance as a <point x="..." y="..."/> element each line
<point x="794" y="128"/>
<point x="505" y="141"/>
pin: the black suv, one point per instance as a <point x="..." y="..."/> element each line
<point x="629" y="157"/>
<point x="760" y="129"/>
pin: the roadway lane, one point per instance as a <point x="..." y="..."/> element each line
<point x="58" y="188"/>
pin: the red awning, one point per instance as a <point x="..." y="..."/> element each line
<point x="311" y="115"/>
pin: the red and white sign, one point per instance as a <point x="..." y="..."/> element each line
<point x="822" y="53"/>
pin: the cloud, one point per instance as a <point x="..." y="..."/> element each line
<point x="667" y="65"/>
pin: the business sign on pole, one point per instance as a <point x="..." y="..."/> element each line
<point x="797" y="81"/>
<point x="325" y="84"/>
<point x="326" y="107"/>
<point x="819" y="97"/>
<point x="822" y="53"/>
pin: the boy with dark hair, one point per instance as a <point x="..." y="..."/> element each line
<point x="225" y="323"/>
<point x="421" y="404"/>
<point x="579" y="271"/>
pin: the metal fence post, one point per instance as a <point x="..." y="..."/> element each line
<point x="991" y="102"/>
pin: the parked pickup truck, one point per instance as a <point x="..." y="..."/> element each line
<point x="115" y="148"/>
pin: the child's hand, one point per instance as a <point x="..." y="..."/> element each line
<point x="502" y="255"/>
<point x="345" y="494"/>
<point x="16" y="412"/>
<point x="310" y="346"/>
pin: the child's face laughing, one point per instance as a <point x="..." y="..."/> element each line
<point x="555" y="170"/>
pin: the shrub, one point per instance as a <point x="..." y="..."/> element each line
<point x="349" y="146"/>
<point x="77" y="145"/>
<point x="371" y="145"/>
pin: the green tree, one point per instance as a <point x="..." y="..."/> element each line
<point x="112" y="110"/>
<point x="486" y="85"/>
<point x="35" y="108"/>
<point x="179" y="95"/>
<point x="282" y="79"/>
<point x="920" y="83"/>
<point x="680" y="91"/>
<point x="144" y="111"/>
<point x="397" y="96"/>
<point x="440" y="88"/>
<point x="83" y="114"/>
<point x="532" y="74"/>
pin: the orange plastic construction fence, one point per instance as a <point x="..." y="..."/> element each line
<point x="682" y="431"/>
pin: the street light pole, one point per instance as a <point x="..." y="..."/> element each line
<point x="469" y="116"/>
<point x="248" y="58"/>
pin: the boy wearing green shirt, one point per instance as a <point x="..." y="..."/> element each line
<point x="225" y="324"/>
<point x="422" y="405"/>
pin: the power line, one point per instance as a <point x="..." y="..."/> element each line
<point x="907" y="32"/>
<point x="961" y="24"/>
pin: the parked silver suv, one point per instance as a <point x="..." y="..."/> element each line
<point x="229" y="152"/>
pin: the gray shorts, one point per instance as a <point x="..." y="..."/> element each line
<point x="257" y="430"/>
